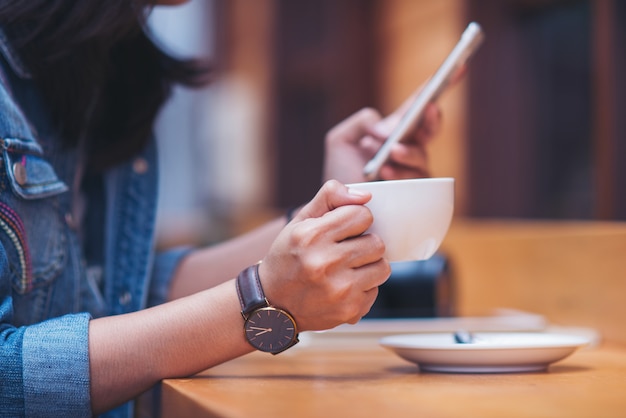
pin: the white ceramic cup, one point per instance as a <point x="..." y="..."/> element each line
<point x="411" y="216"/>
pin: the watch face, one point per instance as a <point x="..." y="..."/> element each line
<point x="271" y="330"/>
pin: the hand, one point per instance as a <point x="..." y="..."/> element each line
<point x="321" y="268"/>
<point x="353" y="142"/>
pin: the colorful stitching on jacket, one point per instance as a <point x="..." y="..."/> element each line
<point x="12" y="225"/>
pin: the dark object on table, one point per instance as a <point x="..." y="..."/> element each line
<point x="416" y="289"/>
<point x="463" y="337"/>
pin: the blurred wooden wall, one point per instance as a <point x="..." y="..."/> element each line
<point x="571" y="272"/>
<point x="413" y="39"/>
<point x="313" y="63"/>
<point x="533" y="131"/>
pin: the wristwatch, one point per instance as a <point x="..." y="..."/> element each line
<point x="266" y="327"/>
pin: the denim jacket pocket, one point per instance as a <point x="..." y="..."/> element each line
<point x="30" y="176"/>
<point x="31" y="227"/>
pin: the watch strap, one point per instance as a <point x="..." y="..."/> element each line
<point x="249" y="290"/>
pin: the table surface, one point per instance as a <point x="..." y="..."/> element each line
<point x="370" y="381"/>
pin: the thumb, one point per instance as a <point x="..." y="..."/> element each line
<point x="332" y="195"/>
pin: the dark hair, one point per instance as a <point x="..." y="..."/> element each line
<point x="99" y="72"/>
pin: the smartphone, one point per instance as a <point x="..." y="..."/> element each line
<point x="470" y="40"/>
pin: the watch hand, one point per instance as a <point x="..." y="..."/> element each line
<point x="262" y="329"/>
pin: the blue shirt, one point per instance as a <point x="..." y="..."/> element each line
<point x="48" y="293"/>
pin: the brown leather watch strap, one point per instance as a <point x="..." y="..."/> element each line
<point x="249" y="290"/>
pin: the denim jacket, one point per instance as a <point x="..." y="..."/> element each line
<point x="47" y="294"/>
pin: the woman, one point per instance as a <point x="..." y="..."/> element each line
<point x="90" y="316"/>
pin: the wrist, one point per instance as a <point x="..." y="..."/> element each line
<point x="266" y="327"/>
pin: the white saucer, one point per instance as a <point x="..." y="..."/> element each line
<point x="491" y="352"/>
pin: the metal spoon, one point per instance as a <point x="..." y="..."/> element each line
<point x="463" y="337"/>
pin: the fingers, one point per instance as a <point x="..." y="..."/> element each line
<point x="358" y="251"/>
<point x="339" y="238"/>
<point x="352" y="129"/>
<point x="356" y="126"/>
<point x="362" y="293"/>
<point x="397" y="172"/>
<point x="353" y="142"/>
<point x="322" y="267"/>
<point x="408" y="158"/>
<point x="459" y="74"/>
<point x="369" y="299"/>
<point x="406" y="162"/>
<point x="430" y="124"/>
<point x="348" y="297"/>
<point x="332" y="195"/>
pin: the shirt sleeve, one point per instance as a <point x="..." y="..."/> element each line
<point x="165" y="265"/>
<point x="44" y="368"/>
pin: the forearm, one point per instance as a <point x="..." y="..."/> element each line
<point x="320" y="268"/>
<point x="208" y="267"/>
<point x="130" y="353"/>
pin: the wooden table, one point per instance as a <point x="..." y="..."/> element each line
<point x="570" y="272"/>
<point x="373" y="382"/>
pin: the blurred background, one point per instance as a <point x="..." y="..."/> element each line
<point x="535" y="130"/>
